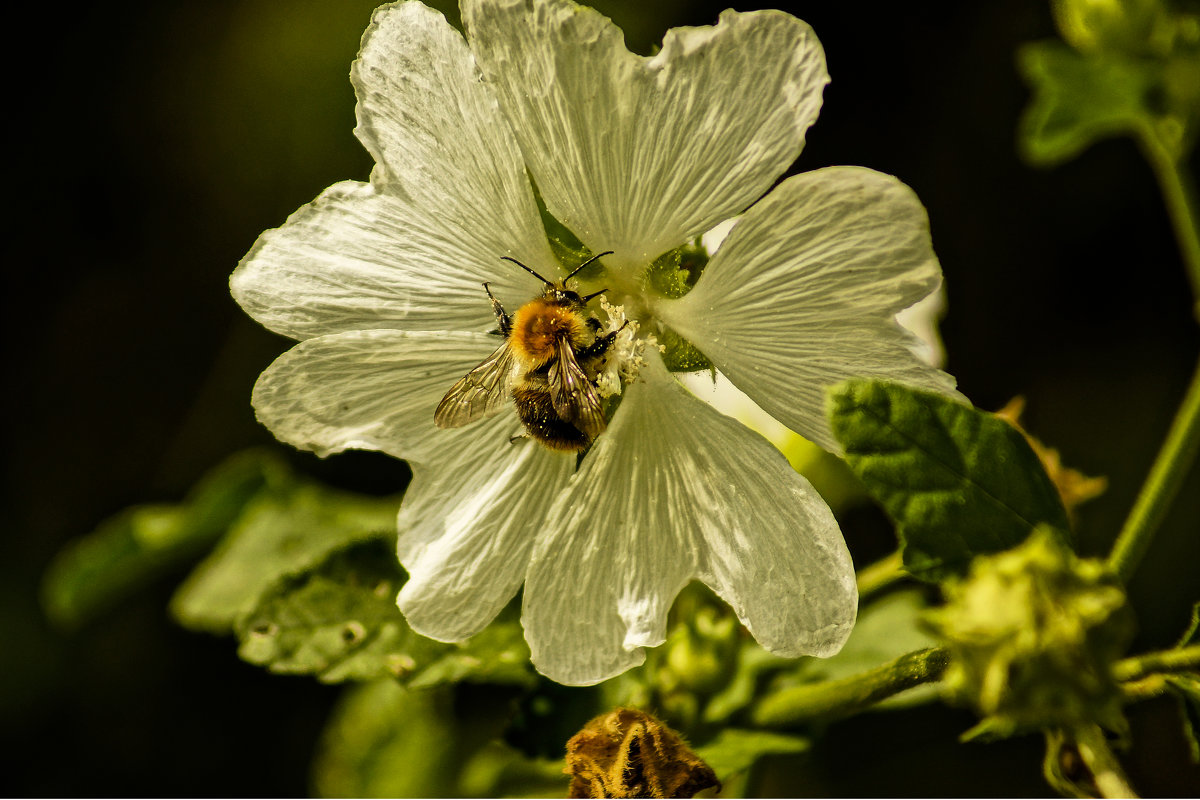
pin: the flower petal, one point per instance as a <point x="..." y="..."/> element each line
<point x="468" y="524"/>
<point x="805" y="290"/>
<point x="449" y="196"/>
<point x="674" y="490"/>
<point x="638" y="154"/>
<point x="368" y="390"/>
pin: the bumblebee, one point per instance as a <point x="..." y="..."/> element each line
<point x="547" y="364"/>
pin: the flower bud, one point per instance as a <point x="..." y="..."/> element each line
<point x="1133" y="27"/>
<point x="1033" y="633"/>
<point x="628" y="753"/>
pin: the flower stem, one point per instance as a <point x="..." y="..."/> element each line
<point x="799" y="704"/>
<point x="1106" y="771"/>
<point x="1166" y="476"/>
<point x="1176" y="660"/>
<point x="1179" y="196"/>
<point x="876" y="577"/>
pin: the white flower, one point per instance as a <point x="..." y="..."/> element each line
<point x="380" y="282"/>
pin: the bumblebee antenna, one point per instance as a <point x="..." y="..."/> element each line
<point x="584" y="264"/>
<point x="564" y="280"/>
<point x="527" y="269"/>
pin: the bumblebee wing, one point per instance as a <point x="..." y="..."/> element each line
<point x="573" y="395"/>
<point x="479" y="394"/>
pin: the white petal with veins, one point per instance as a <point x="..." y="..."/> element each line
<point x="448" y="197"/>
<point x="675" y="491"/>
<point x="468" y="525"/>
<point x="369" y="390"/>
<point x="638" y="154"/>
<point x="804" y="291"/>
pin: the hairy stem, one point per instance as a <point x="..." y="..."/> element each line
<point x="1166" y="476"/>
<point x="1177" y="660"/>
<point x="799" y="704"/>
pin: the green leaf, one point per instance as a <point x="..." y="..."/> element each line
<point x="1078" y="99"/>
<point x="285" y="530"/>
<point x="566" y="246"/>
<point x="957" y="481"/>
<point x="339" y="621"/>
<point x="675" y="272"/>
<point x="134" y="547"/>
<point x="679" y="354"/>
<point x="388" y="741"/>
<point x="734" y="752"/>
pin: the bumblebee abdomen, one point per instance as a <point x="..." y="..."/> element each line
<point x="536" y="410"/>
<point x="539" y="325"/>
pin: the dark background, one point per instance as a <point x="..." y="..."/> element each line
<point x="156" y="140"/>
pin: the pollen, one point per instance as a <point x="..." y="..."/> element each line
<point x="625" y="357"/>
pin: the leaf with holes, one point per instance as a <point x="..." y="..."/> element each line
<point x="956" y="481"/>
<point x="339" y="622"/>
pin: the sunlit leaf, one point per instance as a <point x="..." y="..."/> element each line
<point x="130" y="549"/>
<point x="339" y="621"/>
<point x="957" y="481"/>
<point x="285" y="530"/>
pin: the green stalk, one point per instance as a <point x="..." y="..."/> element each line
<point x="874" y="578"/>
<point x="799" y="704"/>
<point x="1166" y="476"/>
<point x="1101" y="763"/>
<point x="1179" y="196"/>
<point x="1177" y="660"/>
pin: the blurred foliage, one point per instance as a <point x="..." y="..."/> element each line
<point x="1128" y="67"/>
<point x="386" y="741"/>
<point x="129" y="550"/>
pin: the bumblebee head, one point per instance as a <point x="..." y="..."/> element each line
<point x="559" y="292"/>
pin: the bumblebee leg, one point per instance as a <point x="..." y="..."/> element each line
<point x="601" y="345"/>
<point x="502" y="319"/>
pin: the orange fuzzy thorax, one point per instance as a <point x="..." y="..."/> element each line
<point x="538" y="326"/>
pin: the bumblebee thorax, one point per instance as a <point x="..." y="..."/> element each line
<point x="539" y="325"/>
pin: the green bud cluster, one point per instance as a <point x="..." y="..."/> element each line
<point x="1033" y="633"/>
<point x="1134" y="27"/>
<point x="698" y="659"/>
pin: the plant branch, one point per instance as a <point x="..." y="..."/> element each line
<point x="1176" y="660"/>
<point x="1166" y="476"/>
<point x="1106" y="771"/>
<point x="798" y="704"/>
<point x="1179" y="196"/>
<point x="874" y="578"/>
